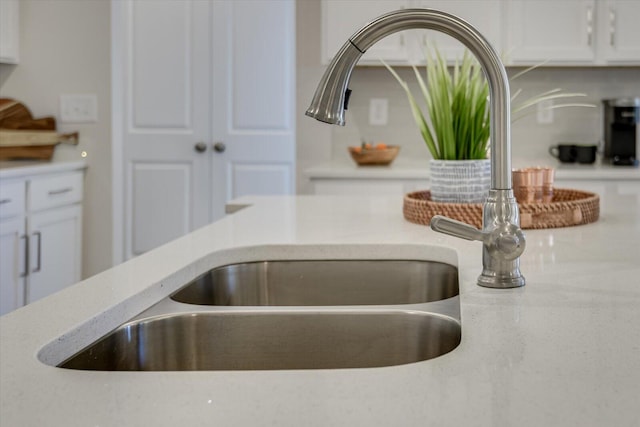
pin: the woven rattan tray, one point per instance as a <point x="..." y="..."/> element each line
<point x="568" y="207"/>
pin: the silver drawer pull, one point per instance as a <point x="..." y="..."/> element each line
<point x="26" y="257"/>
<point x="5" y="201"/>
<point x="38" y="253"/>
<point x="61" y="191"/>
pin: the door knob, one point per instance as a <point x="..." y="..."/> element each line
<point x="219" y="147"/>
<point x="200" y="147"/>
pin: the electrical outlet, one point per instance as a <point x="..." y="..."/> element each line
<point x="79" y="108"/>
<point x="378" y="111"/>
<point x="545" y="112"/>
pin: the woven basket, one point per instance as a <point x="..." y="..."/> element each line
<point x="568" y="207"/>
<point x="374" y="156"/>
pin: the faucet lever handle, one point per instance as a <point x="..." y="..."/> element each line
<point x="455" y="228"/>
<point x="506" y="242"/>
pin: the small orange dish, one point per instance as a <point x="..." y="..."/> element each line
<point x="380" y="154"/>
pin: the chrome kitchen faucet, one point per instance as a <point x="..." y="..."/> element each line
<point x="503" y="240"/>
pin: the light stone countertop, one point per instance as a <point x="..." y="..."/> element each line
<point x="21" y="168"/>
<point x="407" y="169"/>
<point x="562" y="351"/>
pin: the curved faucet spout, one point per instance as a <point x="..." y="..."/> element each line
<point x="500" y="211"/>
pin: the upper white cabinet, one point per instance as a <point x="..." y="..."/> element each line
<point x="485" y="15"/>
<point x="342" y="18"/>
<point x="619" y="29"/>
<point x="525" y="32"/>
<point x="9" y="31"/>
<point x="204" y="94"/>
<point x="572" y="32"/>
<point x="562" y="31"/>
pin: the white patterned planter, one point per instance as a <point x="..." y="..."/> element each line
<point x="460" y="181"/>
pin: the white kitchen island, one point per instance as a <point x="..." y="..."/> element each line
<point x="564" y="350"/>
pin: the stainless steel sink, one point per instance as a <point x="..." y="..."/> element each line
<point x="267" y="340"/>
<point x="172" y="336"/>
<point x="323" y="282"/>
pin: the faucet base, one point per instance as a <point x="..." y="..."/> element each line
<point x="501" y="282"/>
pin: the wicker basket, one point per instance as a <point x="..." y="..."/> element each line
<point x="568" y="207"/>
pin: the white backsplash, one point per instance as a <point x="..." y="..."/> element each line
<point x="530" y="140"/>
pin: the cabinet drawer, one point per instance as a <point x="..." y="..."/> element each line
<point x="58" y="190"/>
<point x="12" y="198"/>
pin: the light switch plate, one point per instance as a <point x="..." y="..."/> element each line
<point x="378" y="111"/>
<point x="78" y="108"/>
<point x="545" y="112"/>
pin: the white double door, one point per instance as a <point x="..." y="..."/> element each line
<point x="199" y="74"/>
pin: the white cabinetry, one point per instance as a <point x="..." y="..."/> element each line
<point x="40" y="236"/>
<point x="340" y="19"/>
<point x="572" y="32"/>
<point x="619" y="31"/>
<point x="204" y="96"/>
<point x="54" y="224"/>
<point x="54" y="255"/>
<point x="12" y="245"/>
<point x="485" y="15"/>
<point x="527" y="32"/>
<point x="9" y="31"/>
<point x="539" y="30"/>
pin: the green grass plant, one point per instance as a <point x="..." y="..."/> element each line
<point x="456" y="126"/>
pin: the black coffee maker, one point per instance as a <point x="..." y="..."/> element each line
<point x="622" y="131"/>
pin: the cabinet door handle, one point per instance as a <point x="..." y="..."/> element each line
<point x="26" y="255"/>
<point x="200" y="147"/>
<point x="5" y="201"/>
<point x="589" y="26"/>
<point x="38" y="252"/>
<point x="60" y="191"/>
<point x="219" y="147"/>
<point x="612" y="27"/>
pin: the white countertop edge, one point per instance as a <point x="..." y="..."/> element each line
<point x="419" y="170"/>
<point x="19" y="168"/>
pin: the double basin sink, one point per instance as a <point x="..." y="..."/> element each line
<point x="311" y="314"/>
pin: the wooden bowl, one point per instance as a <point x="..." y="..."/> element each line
<point x="374" y="156"/>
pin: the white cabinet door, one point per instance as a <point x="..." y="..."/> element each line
<point x="253" y="92"/>
<point x="619" y="29"/>
<point x="561" y="31"/>
<point x="9" y="31"/>
<point x="165" y="50"/>
<point x="485" y="15"/>
<point x="12" y="264"/>
<point x="195" y="74"/>
<point x="54" y="250"/>
<point x="342" y="18"/>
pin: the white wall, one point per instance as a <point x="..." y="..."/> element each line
<point x="65" y="48"/>
<point x="313" y="138"/>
